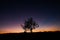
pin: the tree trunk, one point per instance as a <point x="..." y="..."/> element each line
<point x="31" y="30"/>
<point x="25" y="31"/>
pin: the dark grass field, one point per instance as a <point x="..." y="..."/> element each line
<point x="31" y="36"/>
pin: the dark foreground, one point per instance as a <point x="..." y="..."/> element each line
<point x="31" y="36"/>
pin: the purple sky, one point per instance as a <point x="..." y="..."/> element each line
<point x="45" y="13"/>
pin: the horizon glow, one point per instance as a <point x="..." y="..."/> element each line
<point x="19" y="29"/>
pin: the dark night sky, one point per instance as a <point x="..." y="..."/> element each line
<point x="13" y="12"/>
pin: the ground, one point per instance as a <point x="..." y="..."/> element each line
<point x="31" y="36"/>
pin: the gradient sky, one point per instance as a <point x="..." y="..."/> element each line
<point x="13" y="13"/>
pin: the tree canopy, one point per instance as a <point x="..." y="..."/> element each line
<point x="30" y="24"/>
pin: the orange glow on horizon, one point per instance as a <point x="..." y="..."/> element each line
<point x="19" y="30"/>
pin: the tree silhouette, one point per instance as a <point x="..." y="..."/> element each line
<point x="30" y="24"/>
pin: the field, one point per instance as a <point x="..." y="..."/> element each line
<point x="31" y="36"/>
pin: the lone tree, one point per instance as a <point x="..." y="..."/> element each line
<point x="29" y="24"/>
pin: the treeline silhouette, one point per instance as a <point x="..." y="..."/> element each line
<point x="33" y="32"/>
